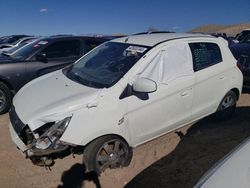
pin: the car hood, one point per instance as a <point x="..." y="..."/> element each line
<point x="241" y="48"/>
<point x="50" y="98"/>
<point x="4" y="58"/>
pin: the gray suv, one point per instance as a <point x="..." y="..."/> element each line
<point x="38" y="58"/>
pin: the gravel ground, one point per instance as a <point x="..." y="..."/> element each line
<point x="173" y="160"/>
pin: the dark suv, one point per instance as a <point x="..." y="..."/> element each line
<point x="38" y="58"/>
<point x="241" y="52"/>
<point x="240" y="36"/>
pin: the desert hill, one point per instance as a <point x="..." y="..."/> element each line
<point x="230" y="30"/>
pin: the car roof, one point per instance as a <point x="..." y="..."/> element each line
<point x="156" y="38"/>
<point x="53" y="37"/>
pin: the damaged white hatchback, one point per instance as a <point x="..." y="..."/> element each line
<point x="122" y="94"/>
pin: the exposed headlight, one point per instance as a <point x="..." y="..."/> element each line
<point x="43" y="143"/>
<point x="53" y="134"/>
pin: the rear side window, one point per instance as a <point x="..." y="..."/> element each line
<point x="205" y="55"/>
<point x="60" y="49"/>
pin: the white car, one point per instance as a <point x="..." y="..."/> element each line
<point x="17" y="44"/>
<point x="122" y="94"/>
<point x="12" y="50"/>
<point x="230" y="172"/>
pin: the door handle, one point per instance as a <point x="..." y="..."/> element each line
<point x="221" y="77"/>
<point x="186" y="92"/>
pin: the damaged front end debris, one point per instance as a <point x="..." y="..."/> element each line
<point x="42" y="145"/>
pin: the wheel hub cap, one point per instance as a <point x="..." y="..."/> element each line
<point x="228" y="102"/>
<point x="113" y="157"/>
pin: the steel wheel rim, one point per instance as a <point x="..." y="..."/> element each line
<point x="227" y="102"/>
<point x="111" y="154"/>
<point x="2" y="99"/>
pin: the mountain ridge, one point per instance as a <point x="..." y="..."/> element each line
<point x="230" y="30"/>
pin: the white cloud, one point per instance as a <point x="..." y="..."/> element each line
<point x="43" y="10"/>
<point x="175" y="27"/>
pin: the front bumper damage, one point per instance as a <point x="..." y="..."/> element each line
<point x="43" y="145"/>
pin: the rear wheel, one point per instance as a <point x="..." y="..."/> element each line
<point x="227" y="106"/>
<point x="5" y="98"/>
<point x="107" y="152"/>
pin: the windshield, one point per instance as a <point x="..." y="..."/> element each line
<point x="28" y="50"/>
<point x="16" y="41"/>
<point x="242" y="35"/>
<point x="106" y="64"/>
<point x="12" y="50"/>
<point x="6" y="40"/>
<point x="10" y="39"/>
<point x="246" y="39"/>
<point x="2" y="39"/>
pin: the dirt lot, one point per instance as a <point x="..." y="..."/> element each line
<point x="169" y="161"/>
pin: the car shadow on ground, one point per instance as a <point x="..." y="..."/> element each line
<point x="200" y="148"/>
<point x="76" y="176"/>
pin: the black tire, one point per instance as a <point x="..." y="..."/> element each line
<point x="227" y="107"/>
<point x="107" y="152"/>
<point x="5" y="98"/>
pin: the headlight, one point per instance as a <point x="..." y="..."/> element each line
<point x="53" y="134"/>
<point x="43" y="143"/>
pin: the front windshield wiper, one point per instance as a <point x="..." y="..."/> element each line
<point x="81" y="80"/>
<point x="77" y="78"/>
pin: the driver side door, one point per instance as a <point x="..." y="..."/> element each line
<point x="170" y="106"/>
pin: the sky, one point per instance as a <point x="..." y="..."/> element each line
<point x="50" y="17"/>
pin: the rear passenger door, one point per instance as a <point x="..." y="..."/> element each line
<point x="209" y="77"/>
<point x="58" y="54"/>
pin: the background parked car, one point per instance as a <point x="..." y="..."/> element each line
<point x="12" y="50"/>
<point x="230" y="40"/>
<point x="38" y="58"/>
<point x="10" y="39"/>
<point x="241" y="52"/>
<point x="240" y="36"/>
<point x="230" y="172"/>
<point x="6" y="47"/>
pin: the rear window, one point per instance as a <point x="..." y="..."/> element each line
<point x="205" y="55"/>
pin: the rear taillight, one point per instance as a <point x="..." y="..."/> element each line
<point x="239" y="65"/>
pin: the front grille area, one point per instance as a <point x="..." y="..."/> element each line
<point x="22" y="130"/>
<point x="17" y="124"/>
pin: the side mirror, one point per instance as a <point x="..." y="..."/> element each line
<point x="144" y="85"/>
<point x="236" y="41"/>
<point x="42" y="58"/>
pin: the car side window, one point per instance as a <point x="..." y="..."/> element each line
<point x="170" y="63"/>
<point x="205" y="54"/>
<point x="60" y="49"/>
<point x="91" y="44"/>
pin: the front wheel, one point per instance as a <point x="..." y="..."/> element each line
<point x="226" y="107"/>
<point x="5" y="98"/>
<point x="107" y="152"/>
